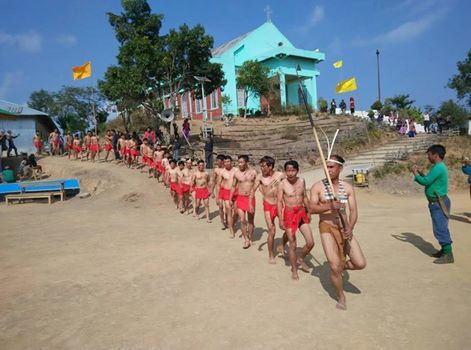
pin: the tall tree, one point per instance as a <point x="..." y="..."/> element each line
<point x="253" y="78"/>
<point x="187" y="53"/>
<point x="458" y="114"/>
<point x="461" y="82"/>
<point x="134" y="79"/>
<point x="41" y="100"/>
<point x="401" y="101"/>
<point x="73" y="108"/>
<point x="150" y="65"/>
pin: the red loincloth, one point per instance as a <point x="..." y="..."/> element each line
<point x="294" y="217"/>
<point x="201" y="192"/>
<point x="242" y="202"/>
<point x="272" y="209"/>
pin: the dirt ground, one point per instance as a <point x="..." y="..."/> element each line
<point x="123" y="270"/>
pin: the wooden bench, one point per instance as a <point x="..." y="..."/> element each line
<point x="20" y="197"/>
<point x="27" y="191"/>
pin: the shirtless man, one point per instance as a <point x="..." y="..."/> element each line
<point x="158" y="157"/>
<point x="166" y="168"/>
<point x="95" y="146"/>
<point x="108" y="144"/>
<point x="143" y="150"/>
<point x="37" y="142"/>
<point x="77" y="145"/>
<point x="133" y="153"/>
<point x="150" y="158"/>
<point x="291" y="201"/>
<point x="173" y="177"/>
<point x="69" y="140"/>
<point x="224" y="185"/>
<point x="54" y="142"/>
<point x="200" y="181"/>
<point x="215" y="178"/>
<point x="185" y="185"/>
<point x="268" y="182"/>
<point x="244" y="179"/>
<point x="122" y="148"/>
<point x="338" y="242"/>
<point x="88" y="143"/>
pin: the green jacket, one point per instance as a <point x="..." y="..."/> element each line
<point x="435" y="180"/>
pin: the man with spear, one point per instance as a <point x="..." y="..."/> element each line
<point x="325" y="191"/>
<point x="337" y="238"/>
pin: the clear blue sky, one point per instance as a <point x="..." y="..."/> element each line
<point x="420" y="40"/>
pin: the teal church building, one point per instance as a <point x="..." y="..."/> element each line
<point x="266" y="44"/>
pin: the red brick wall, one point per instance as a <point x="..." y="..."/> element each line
<point x="212" y="113"/>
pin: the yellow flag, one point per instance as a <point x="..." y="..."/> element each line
<point x="346" y="85"/>
<point x="338" y="64"/>
<point x="83" y="71"/>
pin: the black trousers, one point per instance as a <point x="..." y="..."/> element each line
<point x="116" y="153"/>
<point x="209" y="159"/>
<point x="10" y="148"/>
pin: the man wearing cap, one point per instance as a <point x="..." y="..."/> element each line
<point x="436" y="189"/>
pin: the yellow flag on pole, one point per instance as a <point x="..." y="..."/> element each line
<point x="346" y="85"/>
<point x="338" y="64"/>
<point x="83" y="71"/>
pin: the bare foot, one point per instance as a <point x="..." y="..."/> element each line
<point x="272" y="261"/>
<point x="294" y="275"/>
<point x="231" y="236"/>
<point x="208" y="221"/>
<point x="341" y="305"/>
<point x="246" y="245"/>
<point x="303" y="265"/>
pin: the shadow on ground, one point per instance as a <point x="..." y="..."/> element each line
<point x="421" y="244"/>
<point x="461" y="218"/>
<point x="322" y="271"/>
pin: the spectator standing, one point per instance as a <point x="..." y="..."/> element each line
<point x="176" y="148"/>
<point x="3" y="142"/>
<point x="114" y="143"/>
<point x="150" y="136"/>
<point x="427" y="122"/>
<point x="343" y="106"/>
<point x="440" y="123"/>
<point x="11" y="143"/>
<point x="333" y="106"/>
<point x="186" y="128"/>
<point x="436" y="190"/>
<point x="175" y="130"/>
<point x="466" y="168"/>
<point x="352" y="105"/>
<point x="208" y="151"/>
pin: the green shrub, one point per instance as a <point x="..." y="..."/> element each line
<point x="323" y="106"/>
<point x="377" y="105"/>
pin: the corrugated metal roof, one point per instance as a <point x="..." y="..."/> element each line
<point x="19" y="110"/>
<point x="218" y="51"/>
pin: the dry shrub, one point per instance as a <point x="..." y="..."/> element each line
<point x="290" y="133"/>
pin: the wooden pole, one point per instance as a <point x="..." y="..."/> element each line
<point x="321" y="153"/>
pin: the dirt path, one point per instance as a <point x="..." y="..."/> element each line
<point x="123" y="270"/>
